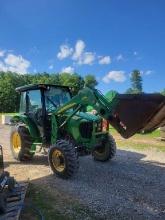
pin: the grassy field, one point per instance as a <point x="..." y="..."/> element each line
<point x="140" y="141"/>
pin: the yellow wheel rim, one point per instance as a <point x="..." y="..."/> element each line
<point x="16" y="140"/>
<point x="58" y="160"/>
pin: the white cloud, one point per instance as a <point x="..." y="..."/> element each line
<point x="147" y="72"/>
<point x="51" y="67"/>
<point x="120" y="57"/>
<point x="65" y="51"/>
<point x="78" y="53"/>
<point x="105" y="60"/>
<point x="135" y="53"/>
<point x="2" y="53"/>
<point x="79" y="49"/>
<point x="68" y="69"/>
<point x="14" y="63"/>
<point x="86" y="58"/>
<point x="117" y="76"/>
<point x="82" y="57"/>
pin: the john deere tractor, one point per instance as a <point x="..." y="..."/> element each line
<point x="50" y="117"/>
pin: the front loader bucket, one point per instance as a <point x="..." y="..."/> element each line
<point x="138" y="112"/>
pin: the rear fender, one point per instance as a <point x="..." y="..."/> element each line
<point x="31" y="126"/>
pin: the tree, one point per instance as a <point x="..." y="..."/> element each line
<point x="136" y="83"/>
<point x="74" y="81"/>
<point x="163" y="92"/>
<point x="90" y="81"/>
<point x="9" y="98"/>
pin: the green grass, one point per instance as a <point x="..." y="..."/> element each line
<point x="140" y="146"/>
<point x="153" y="134"/>
<point x="8" y="113"/>
<point x="140" y="141"/>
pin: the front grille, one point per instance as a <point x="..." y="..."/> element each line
<point x="98" y="126"/>
<point x="86" y="129"/>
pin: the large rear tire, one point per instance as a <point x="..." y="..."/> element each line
<point x="20" y="143"/>
<point x="107" y="151"/>
<point x="63" y="159"/>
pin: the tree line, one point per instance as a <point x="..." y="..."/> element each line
<point x="9" y="98"/>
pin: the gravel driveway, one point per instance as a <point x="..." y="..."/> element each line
<point x="131" y="186"/>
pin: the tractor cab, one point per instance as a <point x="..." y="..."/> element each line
<point x="40" y="98"/>
<point x="39" y="101"/>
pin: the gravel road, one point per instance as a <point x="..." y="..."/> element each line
<point x="131" y="186"/>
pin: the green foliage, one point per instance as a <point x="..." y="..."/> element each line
<point x="90" y="81"/>
<point x="74" y="81"/>
<point x="9" y="98"/>
<point x="129" y="91"/>
<point x="136" y="83"/>
<point x="163" y="92"/>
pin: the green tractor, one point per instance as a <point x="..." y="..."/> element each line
<point x="51" y="118"/>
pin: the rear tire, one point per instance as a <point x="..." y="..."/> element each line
<point x="63" y="159"/>
<point x="106" y="152"/>
<point x="20" y="143"/>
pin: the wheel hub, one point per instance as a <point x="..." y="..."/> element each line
<point x="16" y="140"/>
<point x="58" y="160"/>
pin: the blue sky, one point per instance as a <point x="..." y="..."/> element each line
<point x="107" y="38"/>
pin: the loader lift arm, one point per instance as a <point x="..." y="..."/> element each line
<point x="128" y="114"/>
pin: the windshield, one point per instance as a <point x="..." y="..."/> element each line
<point x="56" y="97"/>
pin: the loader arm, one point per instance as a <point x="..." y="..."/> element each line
<point x="128" y="114"/>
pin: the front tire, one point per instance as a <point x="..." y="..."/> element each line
<point x="107" y="151"/>
<point x="20" y="143"/>
<point x="63" y="159"/>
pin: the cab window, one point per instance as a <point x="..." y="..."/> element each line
<point x="34" y="100"/>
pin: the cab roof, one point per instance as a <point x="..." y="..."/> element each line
<point x="38" y="86"/>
